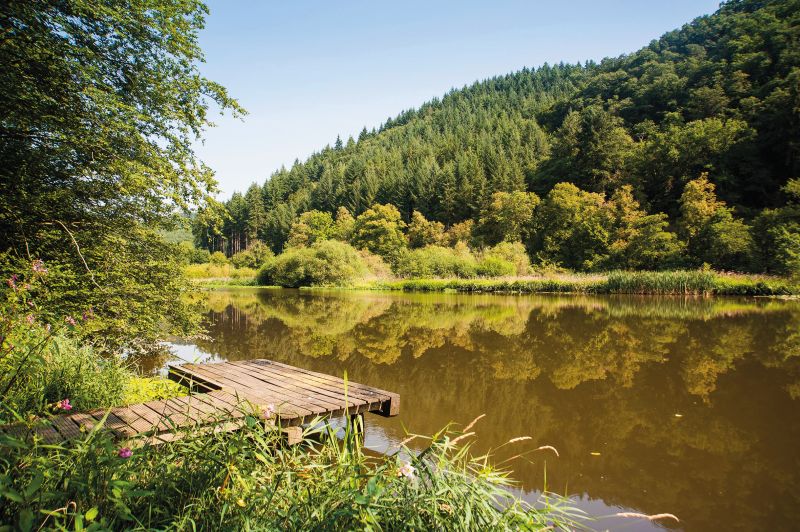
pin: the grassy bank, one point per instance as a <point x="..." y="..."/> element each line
<point x="683" y="282"/>
<point x="656" y="283"/>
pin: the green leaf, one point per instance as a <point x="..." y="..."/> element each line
<point x="91" y="514"/>
<point x="35" y="484"/>
<point x="12" y="495"/>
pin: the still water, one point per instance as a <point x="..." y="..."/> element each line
<point x="687" y="406"/>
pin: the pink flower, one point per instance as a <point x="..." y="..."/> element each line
<point x="12" y="281"/>
<point x="38" y="266"/>
<point x="125" y="452"/>
<point x="70" y="320"/>
<point x="88" y="314"/>
<point x="406" y="470"/>
<point x="30" y="319"/>
<point x="64" y="404"/>
<point x="269" y="411"/>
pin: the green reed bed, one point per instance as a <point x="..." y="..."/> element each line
<point x="682" y="282"/>
<point x="249" y="480"/>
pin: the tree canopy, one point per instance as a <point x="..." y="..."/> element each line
<point x="100" y="102"/>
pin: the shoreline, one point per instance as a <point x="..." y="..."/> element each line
<point x="683" y="282"/>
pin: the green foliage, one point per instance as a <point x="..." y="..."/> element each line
<point x="507" y="217"/>
<point x="193" y="255"/>
<point x="312" y="226"/>
<point x="436" y="261"/>
<point x="513" y="253"/>
<point x="776" y="234"/>
<point x="494" y="266"/>
<point x="248" y="480"/>
<point x="714" y="236"/>
<point x="343" y="227"/>
<point x="42" y="364"/>
<point x="218" y="259"/>
<point x="422" y="232"/>
<point x="327" y="262"/>
<point x="102" y="105"/>
<point x="379" y="229"/>
<point x="253" y="257"/>
<point x="640" y="241"/>
<point x="693" y="282"/>
<point x="572" y="228"/>
<point x="144" y="389"/>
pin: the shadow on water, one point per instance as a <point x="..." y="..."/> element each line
<point x="656" y="404"/>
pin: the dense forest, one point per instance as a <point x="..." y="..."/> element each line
<point x="608" y="146"/>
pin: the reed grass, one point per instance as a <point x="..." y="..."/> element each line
<point x="249" y="480"/>
<point x="681" y="282"/>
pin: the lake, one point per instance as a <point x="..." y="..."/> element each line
<point x="655" y="404"/>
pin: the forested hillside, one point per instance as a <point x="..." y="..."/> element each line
<point x="715" y="103"/>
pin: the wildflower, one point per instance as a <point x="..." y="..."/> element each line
<point x="38" y="266"/>
<point x="30" y="319"/>
<point x="88" y="314"/>
<point x="12" y="281"/>
<point x="241" y="503"/>
<point x="70" y="321"/>
<point x="47" y="327"/>
<point x="125" y="452"/>
<point x="407" y="470"/>
<point x="269" y="411"/>
<point x="64" y="404"/>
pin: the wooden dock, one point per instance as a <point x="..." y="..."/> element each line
<point x="222" y="394"/>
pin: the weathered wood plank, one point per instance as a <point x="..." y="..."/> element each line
<point x="299" y="384"/>
<point x="319" y="404"/>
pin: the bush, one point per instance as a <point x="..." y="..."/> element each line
<point x="218" y="258"/>
<point x="495" y="267"/>
<point x="325" y="263"/>
<point x="436" y="261"/>
<point x="192" y="255"/>
<point x="512" y="252"/>
<point x="254" y="256"/>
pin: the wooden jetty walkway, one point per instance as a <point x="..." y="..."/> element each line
<point x="222" y="394"/>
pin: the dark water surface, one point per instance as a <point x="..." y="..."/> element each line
<point x="687" y="406"/>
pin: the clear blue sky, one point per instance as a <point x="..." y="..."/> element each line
<point x="309" y="70"/>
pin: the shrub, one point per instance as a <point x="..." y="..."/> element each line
<point x="494" y="267"/>
<point x="218" y="258"/>
<point x="436" y="261"/>
<point x="328" y="262"/>
<point x="192" y="255"/>
<point x="512" y="252"/>
<point x="254" y="256"/>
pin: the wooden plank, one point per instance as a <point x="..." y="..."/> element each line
<point x="263" y="398"/>
<point x="113" y="423"/>
<point x="306" y="399"/>
<point x="133" y="419"/>
<point x="171" y="417"/>
<point x="390" y="401"/>
<point x="353" y="388"/>
<point x="84" y="421"/>
<point x="67" y="427"/>
<point x="184" y="374"/>
<point x="298" y="384"/>
<point x="156" y="421"/>
<point x="46" y="431"/>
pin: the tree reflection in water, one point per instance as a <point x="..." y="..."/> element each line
<point x="586" y="374"/>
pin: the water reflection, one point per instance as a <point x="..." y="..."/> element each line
<point x="691" y="403"/>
